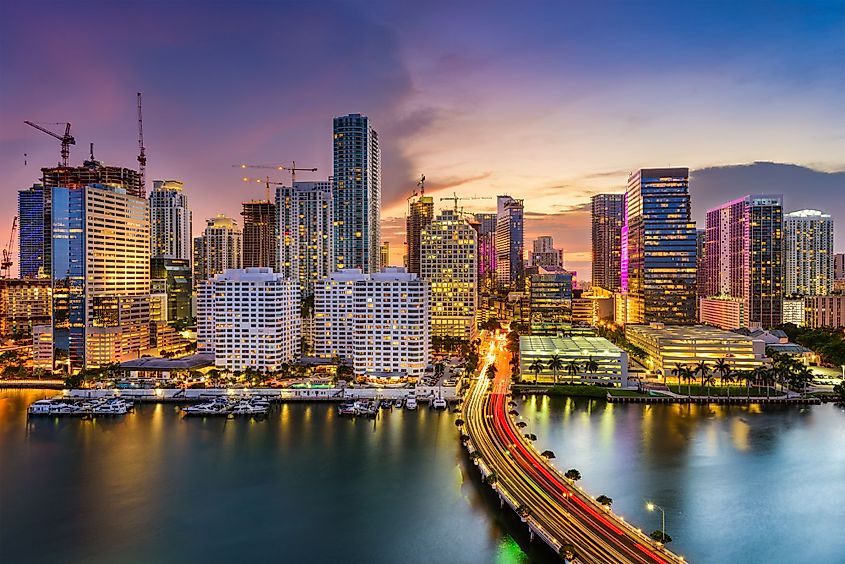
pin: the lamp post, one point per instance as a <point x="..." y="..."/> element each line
<point x="651" y="507"/>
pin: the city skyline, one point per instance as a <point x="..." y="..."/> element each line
<point x="432" y="93"/>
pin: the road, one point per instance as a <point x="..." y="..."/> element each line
<point x="553" y="506"/>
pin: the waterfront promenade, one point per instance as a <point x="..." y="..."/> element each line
<point x="554" y="508"/>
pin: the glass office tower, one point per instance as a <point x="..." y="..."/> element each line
<point x="607" y="212"/>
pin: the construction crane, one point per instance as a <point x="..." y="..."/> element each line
<point x="292" y="169"/>
<point x="455" y="198"/>
<point x="66" y="139"/>
<point x="6" y="263"/>
<point x="267" y="183"/>
<point x="142" y="154"/>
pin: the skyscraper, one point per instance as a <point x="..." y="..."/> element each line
<point x="357" y="193"/>
<point x="486" y="227"/>
<point x="217" y="249"/>
<point x="607" y="212"/>
<point x="384" y="259"/>
<point x="312" y="202"/>
<point x="420" y="215"/>
<point x="510" y="267"/>
<point x="101" y="275"/>
<point x="545" y="254"/>
<point x="260" y="240"/>
<point x="660" y="247"/>
<point x="807" y="253"/>
<point x="744" y="256"/>
<point x="449" y="263"/>
<point x="170" y="221"/>
<point x="839" y="266"/>
<point x="31" y="225"/>
<point x="174" y="277"/>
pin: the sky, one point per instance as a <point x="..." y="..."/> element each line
<point x="546" y="101"/>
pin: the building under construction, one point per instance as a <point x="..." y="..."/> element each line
<point x="420" y="216"/>
<point x="93" y="172"/>
<point x="260" y="239"/>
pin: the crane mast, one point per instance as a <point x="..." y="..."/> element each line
<point x="6" y="263"/>
<point x="142" y="155"/>
<point x="66" y="140"/>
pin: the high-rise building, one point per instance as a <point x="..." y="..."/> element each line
<point x="260" y="239"/>
<point x="839" y="266"/>
<point x="384" y="261"/>
<point x="449" y="263"/>
<point x="807" y="253"/>
<point x="607" y="212"/>
<point x="357" y="193"/>
<point x="24" y="303"/>
<point x="486" y="227"/>
<point x="824" y="311"/>
<point x="31" y="229"/>
<point x="700" y="266"/>
<point x="510" y="266"/>
<point x="744" y="254"/>
<point x="545" y="254"/>
<point x="173" y="278"/>
<point x="249" y="318"/>
<point x="378" y="322"/>
<point x="170" y="221"/>
<point x="217" y="249"/>
<point x="312" y="202"/>
<point x="660" y="247"/>
<point x="550" y="295"/>
<point x="101" y="275"/>
<point x="420" y="215"/>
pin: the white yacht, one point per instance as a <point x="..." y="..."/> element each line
<point x="439" y="403"/>
<point x="411" y="403"/>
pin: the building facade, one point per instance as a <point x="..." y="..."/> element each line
<point x="485" y="225"/>
<point x="607" y="214"/>
<point x="550" y="295"/>
<point x="217" y="249"/>
<point x="576" y="353"/>
<point x="824" y="311"/>
<point x="510" y="266"/>
<point x="173" y="277"/>
<point x="31" y="230"/>
<point x="545" y="254"/>
<point x="249" y="318"/>
<point x="420" y="215"/>
<point x="379" y="322"/>
<point x="807" y="253"/>
<point x="744" y="250"/>
<point x="839" y="266"/>
<point x="449" y="263"/>
<point x="357" y="193"/>
<point x="724" y="312"/>
<point x="170" y="221"/>
<point x="100" y="275"/>
<point x="660" y="252"/>
<point x="24" y="303"/>
<point x="313" y="204"/>
<point x="260" y="235"/>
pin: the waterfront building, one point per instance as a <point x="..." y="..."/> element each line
<point x="550" y="295"/>
<point x="357" y="193"/>
<point x="260" y="235"/>
<point x="377" y="322"/>
<point x="249" y="318"/>
<point x="42" y="347"/>
<point x="825" y="311"/>
<point x="794" y="311"/>
<point x="668" y="345"/>
<point x="575" y="353"/>
<point x="724" y="312"/>
<point x="173" y="278"/>
<point x="448" y="250"/>
<point x="607" y="213"/>
<point x="170" y="221"/>
<point x="217" y="249"/>
<point x="545" y="254"/>
<point x="420" y="215"/>
<point x="659" y="240"/>
<point x="807" y="253"/>
<point x="745" y="256"/>
<point x="510" y="267"/>
<point x="24" y="303"/>
<point x="100" y="275"/>
<point x="486" y="227"/>
<point x="31" y="229"/>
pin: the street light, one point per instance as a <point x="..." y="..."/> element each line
<point x="651" y="507"/>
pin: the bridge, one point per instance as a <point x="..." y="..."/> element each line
<point x="553" y="507"/>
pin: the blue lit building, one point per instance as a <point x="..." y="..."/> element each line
<point x="357" y="194"/>
<point x="661" y="247"/>
<point x="510" y="266"/>
<point x="31" y="232"/>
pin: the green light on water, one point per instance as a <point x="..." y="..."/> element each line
<point x="509" y="552"/>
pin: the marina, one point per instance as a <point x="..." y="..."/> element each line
<point x="97" y="407"/>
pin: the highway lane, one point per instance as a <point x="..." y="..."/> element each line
<point x="566" y="513"/>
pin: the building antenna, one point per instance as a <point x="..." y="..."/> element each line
<point x="142" y="154"/>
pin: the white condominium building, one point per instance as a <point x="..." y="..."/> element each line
<point x="808" y="253"/>
<point x="170" y="221"/>
<point x="219" y="248"/>
<point x="249" y="318"/>
<point x="379" y="322"/>
<point x="449" y="263"/>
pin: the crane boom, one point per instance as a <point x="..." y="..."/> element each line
<point x="67" y="139"/>
<point x="455" y="198"/>
<point x="291" y="169"/>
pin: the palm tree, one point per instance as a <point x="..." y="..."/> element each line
<point x="688" y="376"/>
<point x="536" y="367"/>
<point x="708" y="380"/>
<point x="724" y="369"/>
<point x="555" y="363"/>
<point x="677" y="371"/>
<point x="727" y="378"/>
<point x="491" y="371"/>
<point x="702" y="369"/>
<point x="591" y="365"/>
<point x="572" y="368"/>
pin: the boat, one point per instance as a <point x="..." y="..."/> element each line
<point x="346" y="409"/>
<point x="398" y="403"/>
<point x="411" y="403"/>
<point x="439" y="403"/>
<point x="42" y="407"/>
<point x="109" y="408"/>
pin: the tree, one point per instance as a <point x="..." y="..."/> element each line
<point x="703" y="370"/>
<point x="708" y="380"/>
<point x="572" y="368"/>
<point x="547" y="454"/>
<point x="572" y="474"/>
<point x="839" y="389"/>
<point x="555" y="363"/>
<point x="536" y="367"/>
<point x="567" y="552"/>
<point x="604" y="500"/>
<point x="591" y="366"/>
<point x="688" y="376"/>
<point x="678" y="371"/>
<point x="660" y="536"/>
<point x="491" y="371"/>
<point x="724" y="369"/>
<point x="491" y="324"/>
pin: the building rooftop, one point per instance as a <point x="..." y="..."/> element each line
<point x="690" y="332"/>
<point x="580" y="345"/>
<point x="155" y="364"/>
